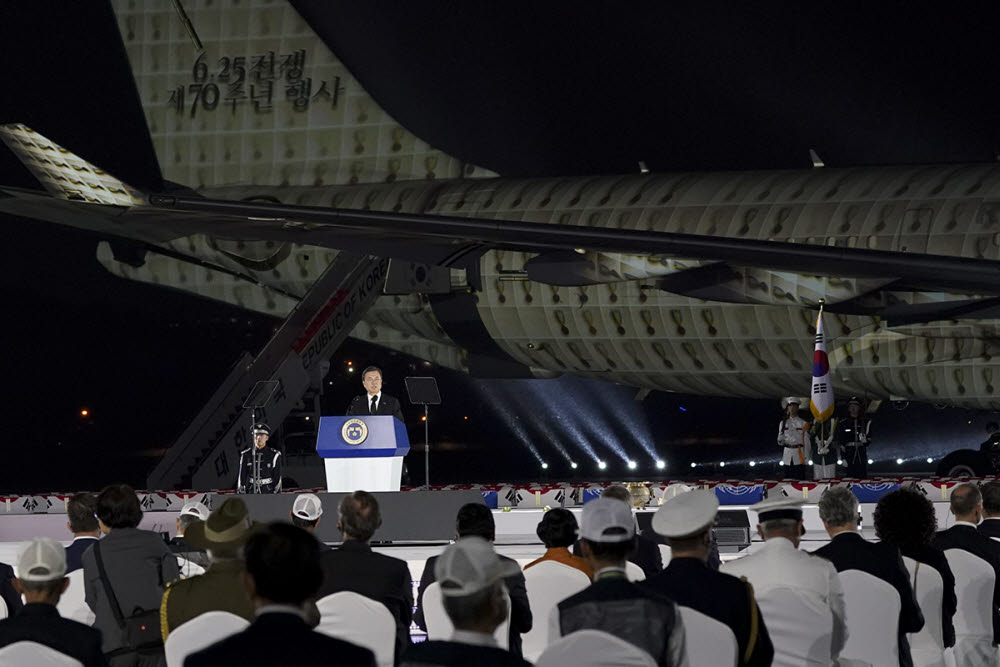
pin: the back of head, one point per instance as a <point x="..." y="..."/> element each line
<point x="991" y="498"/>
<point x="618" y="492"/>
<point x="471" y="575"/>
<point x="839" y="507"/>
<point x="284" y="563"/>
<point x="81" y="510"/>
<point x="41" y="566"/>
<point x="118" y="506"/>
<point x="905" y="518"/>
<point x="964" y="501"/>
<point x="607" y="529"/>
<point x="475" y="519"/>
<point x="359" y="516"/>
<point x="558" y="528"/>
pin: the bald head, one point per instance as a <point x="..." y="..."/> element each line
<point x="967" y="503"/>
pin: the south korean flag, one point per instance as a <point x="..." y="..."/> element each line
<point x="821" y="397"/>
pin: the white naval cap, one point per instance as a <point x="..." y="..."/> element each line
<point x="686" y="514"/>
<point x="778" y="508"/>
<point x="195" y="509"/>
<point x="307" y="506"/>
<point x="791" y="399"/>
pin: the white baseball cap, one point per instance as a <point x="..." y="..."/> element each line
<point x="686" y="514"/>
<point x="195" y="509"/>
<point x="607" y="520"/>
<point x="307" y="506"/>
<point x="43" y="559"/>
<point x="470" y="565"/>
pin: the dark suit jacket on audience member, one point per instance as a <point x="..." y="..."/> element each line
<point x="7" y="592"/>
<point x="520" y="611"/>
<point x="850" y="551"/>
<point x="355" y="567"/>
<point x="691" y="583"/>
<point x="276" y="639"/>
<point x="990" y="527"/>
<point x="179" y="546"/>
<point x="41" y="623"/>
<point x="934" y="557"/>
<point x="647" y="556"/>
<point x="455" y="654"/>
<point x="971" y="540"/>
<point x="74" y="552"/>
<point x="387" y="405"/>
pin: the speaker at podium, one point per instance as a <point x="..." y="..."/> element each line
<point x="362" y="452"/>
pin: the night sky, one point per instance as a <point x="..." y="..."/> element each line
<point x="524" y="89"/>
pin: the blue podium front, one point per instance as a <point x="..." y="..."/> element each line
<point x="362" y="452"/>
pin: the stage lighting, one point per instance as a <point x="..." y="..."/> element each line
<point x="602" y="465"/>
<point x="660" y="465"/>
<point x="631" y="465"/>
<point x="899" y="462"/>
<point x="781" y="463"/>
<point x="692" y="464"/>
<point x="840" y="462"/>
<point x="870" y="461"/>
<point x="753" y="463"/>
<point x="545" y="466"/>
<point x="930" y="460"/>
<point x="572" y="464"/>
<point x="722" y="464"/>
<point x="810" y="462"/>
<point x="307" y="417"/>
<point x="84" y="412"/>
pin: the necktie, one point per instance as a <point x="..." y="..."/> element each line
<point x="374" y="398"/>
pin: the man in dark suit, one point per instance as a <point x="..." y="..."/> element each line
<point x="81" y="510"/>
<point x="374" y="402"/>
<point x="838" y="508"/>
<point x="472" y="591"/>
<point x="283" y="572"/>
<point x="646" y="554"/>
<point x="476" y="519"/>
<point x="356" y="568"/>
<point x="990" y="527"/>
<point x="686" y="521"/>
<point x="7" y="591"/>
<point x="613" y="604"/>
<point x="43" y="580"/>
<point x="967" y="506"/>
<point x="191" y="513"/>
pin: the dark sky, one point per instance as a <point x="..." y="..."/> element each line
<point x="522" y="88"/>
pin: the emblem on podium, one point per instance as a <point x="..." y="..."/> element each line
<point x="354" y="431"/>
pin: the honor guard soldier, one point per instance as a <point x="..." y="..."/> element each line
<point x="794" y="438"/>
<point x="853" y="436"/>
<point x="686" y="521"/>
<point x="260" y="465"/>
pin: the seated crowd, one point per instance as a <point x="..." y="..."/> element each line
<point x="271" y="586"/>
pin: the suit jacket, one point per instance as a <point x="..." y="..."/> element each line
<point x="276" y="638"/>
<point x="691" y="583"/>
<point x="74" y="552"/>
<point x="179" y="546"/>
<point x="850" y="551"/>
<point x="7" y="592"/>
<point x="933" y="557"/>
<point x="355" y="567"/>
<point x="990" y="527"/>
<point x="520" y="611"/>
<point x="219" y="589"/>
<point x="139" y="565"/>
<point x="41" y="623"/>
<point x="456" y="654"/>
<point x="973" y="541"/>
<point x="387" y="405"/>
<point x="646" y="555"/>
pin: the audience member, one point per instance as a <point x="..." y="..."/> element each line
<point x="476" y="520"/>
<point x="305" y="514"/>
<point x="646" y="554"/>
<point x="967" y="507"/>
<point x="990" y="527"/>
<point x="42" y="565"/>
<point x="780" y="565"/>
<point x="355" y="567"/>
<point x="848" y="550"/>
<point x="906" y="520"/>
<point x="686" y="521"/>
<point x="134" y="566"/>
<point x="81" y="510"/>
<point x="191" y="513"/>
<point x="471" y="576"/>
<point x="612" y="603"/>
<point x="283" y="573"/>
<point x="221" y="587"/>
<point x="7" y="590"/>
<point x="558" y="531"/>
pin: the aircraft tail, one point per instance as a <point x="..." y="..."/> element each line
<point x="64" y="174"/>
<point x="239" y="92"/>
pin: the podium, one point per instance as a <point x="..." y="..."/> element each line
<point x="362" y="452"/>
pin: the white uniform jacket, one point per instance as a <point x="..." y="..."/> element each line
<point x="795" y="441"/>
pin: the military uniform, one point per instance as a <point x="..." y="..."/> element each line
<point x="269" y="460"/>
<point x="796" y="443"/>
<point x="853" y="437"/>
<point x="219" y="589"/>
